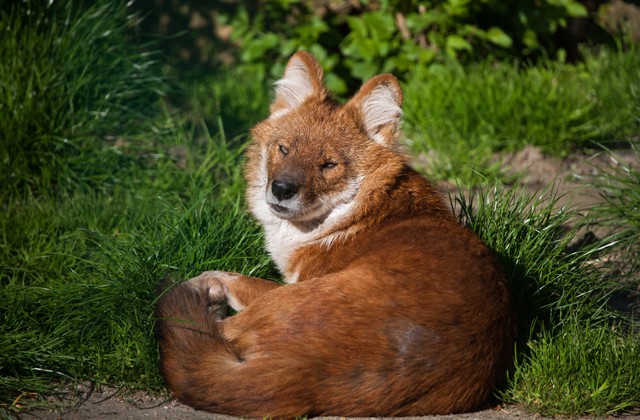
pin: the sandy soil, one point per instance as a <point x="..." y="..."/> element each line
<point x="108" y="403"/>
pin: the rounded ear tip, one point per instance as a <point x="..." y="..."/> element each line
<point x="391" y="82"/>
<point x="391" y="79"/>
<point x="302" y="53"/>
<point x="306" y="58"/>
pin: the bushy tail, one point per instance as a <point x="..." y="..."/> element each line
<point x="192" y="349"/>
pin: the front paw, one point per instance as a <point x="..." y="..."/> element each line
<point x="207" y="284"/>
<point x="210" y="286"/>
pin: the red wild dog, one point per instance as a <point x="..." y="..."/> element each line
<point x="391" y="308"/>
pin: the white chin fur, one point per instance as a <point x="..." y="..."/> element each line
<point x="289" y="210"/>
<point x="294" y="211"/>
<point x="285" y="233"/>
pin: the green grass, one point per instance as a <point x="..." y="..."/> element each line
<point x="574" y="355"/>
<point x="109" y="194"/>
<point x="142" y="192"/>
<point x="523" y="230"/>
<point x="92" y="317"/>
<point x="78" y="272"/>
<point x="235" y="95"/>
<point x="458" y="117"/>
<point x="68" y="78"/>
<point x="619" y="213"/>
<point x="576" y="370"/>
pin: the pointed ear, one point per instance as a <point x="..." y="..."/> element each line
<point x="302" y="78"/>
<point x="378" y="102"/>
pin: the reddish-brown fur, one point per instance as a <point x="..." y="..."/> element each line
<point x="394" y="309"/>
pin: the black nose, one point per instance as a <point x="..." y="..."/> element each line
<point x="283" y="190"/>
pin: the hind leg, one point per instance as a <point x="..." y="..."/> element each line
<point x="235" y="289"/>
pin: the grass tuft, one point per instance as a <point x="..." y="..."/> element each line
<point x="580" y="369"/>
<point x="524" y="231"/>
<point x="236" y="96"/>
<point x="68" y="78"/>
<point x="573" y="356"/>
<point x="619" y="214"/>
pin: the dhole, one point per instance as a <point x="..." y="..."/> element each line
<point x="390" y="308"/>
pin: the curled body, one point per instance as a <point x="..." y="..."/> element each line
<point x="390" y="307"/>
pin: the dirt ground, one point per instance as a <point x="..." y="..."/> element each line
<point x="108" y="403"/>
<point x="570" y="175"/>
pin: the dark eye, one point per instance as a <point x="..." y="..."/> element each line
<point x="329" y="165"/>
<point x="284" y="150"/>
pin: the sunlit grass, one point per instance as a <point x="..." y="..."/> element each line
<point x="574" y="355"/>
<point x="619" y="213"/>
<point x="577" y="369"/>
<point x="68" y="78"/>
<point x="457" y="117"/>
<point x="142" y="192"/>
<point x="92" y="318"/>
<point x="78" y="272"/>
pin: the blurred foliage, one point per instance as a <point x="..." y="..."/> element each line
<point x="621" y="19"/>
<point x="356" y="39"/>
<point x="397" y="35"/>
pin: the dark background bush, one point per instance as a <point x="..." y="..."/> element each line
<point x="357" y="39"/>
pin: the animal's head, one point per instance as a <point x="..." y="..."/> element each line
<point x="313" y="157"/>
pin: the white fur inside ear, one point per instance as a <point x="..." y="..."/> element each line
<point x="294" y="88"/>
<point x="380" y="108"/>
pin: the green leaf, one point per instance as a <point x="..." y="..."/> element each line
<point x="498" y="37"/>
<point x="530" y="39"/>
<point x="456" y="42"/>
<point x="388" y="66"/>
<point x="364" y="70"/>
<point x="380" y="25"/>
<point x="335" y="83"/>
<point x="467" y="30"/>
<point x="357" y="26"/>
<point x="418" y="22"/>
<point x="457" y="8"/>
<point x="259" y="46"/>
<point x="576" y="10"/>
<point x="319" y="52"/>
